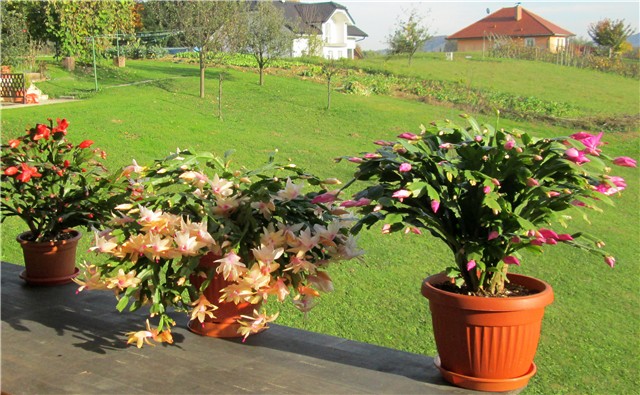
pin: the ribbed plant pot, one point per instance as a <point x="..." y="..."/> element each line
<point x="49" y="263"/>
<point x="225" y="323"/>
<point x="487" y="344"/>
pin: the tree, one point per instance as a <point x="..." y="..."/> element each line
<point x="71" y="24"/>
<point x="610" y="34"/>
<point x="266" y="36"/>
<point x="208" y="26"/>
<point x="409" y="36"/>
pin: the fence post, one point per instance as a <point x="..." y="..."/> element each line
<point x="95" y="70"/>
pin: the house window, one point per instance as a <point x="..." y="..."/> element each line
<point x="350" y="53"/>
<point x="339" y="55"/>
<point x="529" y="42"/>
<point x="330" y="54"/>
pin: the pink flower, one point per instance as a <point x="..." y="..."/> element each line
<point x="509" y="144"/>
<point x="553" y="194"/>
<point x="576" y="156"/>
<point x="548" y="234"/>
<point x="609" y="260"/>
<point x="578" y="203"/>
<point x="565" y="237"/>
<point x="495" y="182"/>
<point x="537" y="242"/>
<point x="470" y="265"/>
<point x="532" y="182"/>
<point x="625" y="161"/>
<point x="355" y="159"/>
<point x="324" y="198"/>
<point x="386" y="228"/>
<point x="478" y="138"/>
<point x="581" y="136"/>
<point x="486" y="189"/>
<point x="382" y="143"/>
<point x="372" y="156"/>
<point x="515" y="240"/>
<point x="511" y="260"/>
<point x="356" y="203"/>
<point x="405" y="167"/>
<point x="435" y="205"/>
<point x="445" y="146"/>
<point x="551" y="241"/>
<point x="14" y="143"/>
<point x="618" y="181"/>
<point x="493" y="235"/>
<point x="409" y="136"/>
<point x="401" y="194"/>
<point x="591" y="144"/>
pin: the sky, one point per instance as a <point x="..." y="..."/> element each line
<point x="378" y="18"/>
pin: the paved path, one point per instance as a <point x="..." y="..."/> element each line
<point x="57" y="342"/>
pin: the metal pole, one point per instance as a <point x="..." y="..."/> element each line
<point x="95" y="72"/>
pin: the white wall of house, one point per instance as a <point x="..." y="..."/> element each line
<point x="336" y="43"/>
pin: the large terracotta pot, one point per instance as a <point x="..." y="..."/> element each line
<point x="487" y="344"/>
<point x="49" y="263"/>
<point x="225" y="323"/>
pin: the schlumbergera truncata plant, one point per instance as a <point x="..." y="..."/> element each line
<point x="486" y="193"/>
<point x="269" y="239"/>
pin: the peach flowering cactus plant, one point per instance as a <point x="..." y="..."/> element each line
<point x="273" y="240"/>
<point x="486" y="193"/>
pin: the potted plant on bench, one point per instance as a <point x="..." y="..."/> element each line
<point x="200" y="237"/>
<point x="487" y="194"/>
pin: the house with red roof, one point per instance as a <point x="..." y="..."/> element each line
<point x="517" y="23"/>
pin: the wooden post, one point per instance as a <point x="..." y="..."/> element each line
<point x="220" y="96"/>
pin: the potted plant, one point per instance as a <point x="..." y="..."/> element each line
<point x="53" y="186"/>
<point x="193" y="224"/>
<point x="487" y="194"/>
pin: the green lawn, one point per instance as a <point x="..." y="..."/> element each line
<point x="590" y="334"/>
<point x="595" y="92"/>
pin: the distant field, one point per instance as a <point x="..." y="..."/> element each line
<point x="598" y="92"/>
<point x="590" y="338"/>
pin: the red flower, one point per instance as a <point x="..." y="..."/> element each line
<point x="85" y="144"/>
<point x="62" y="127"/>
<point x="11" y="171"/>
<point x="27" y="173"/>
<point x="66" y="163"/>
<point x="42" y="132"/>
<point x="14" y="143"/>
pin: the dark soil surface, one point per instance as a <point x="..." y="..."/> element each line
<point x="510" y="290"/>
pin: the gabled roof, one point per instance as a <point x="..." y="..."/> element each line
<point x="309" y="17"/>
<point x="504" y="22"/>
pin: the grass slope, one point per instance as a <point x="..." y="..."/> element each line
<point x="590" y="334"/>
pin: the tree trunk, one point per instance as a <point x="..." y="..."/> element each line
<point x="328" y="93"/>
<point x="202" y="69"/>
<point x="220" y="96"/>
<point x="261" y="75"/>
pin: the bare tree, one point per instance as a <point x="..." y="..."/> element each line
<point x="266" y="36"/>
<point x="208" y="26"/>
<point x="409" y="36"/>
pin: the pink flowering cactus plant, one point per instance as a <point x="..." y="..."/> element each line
<point x="486" y="193"/>
<point x="273" y="240"/>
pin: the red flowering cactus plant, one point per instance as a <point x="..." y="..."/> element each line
<point x="272" y="240"/>
<point x="486" y="193"/>
<point x="50" y="183"/>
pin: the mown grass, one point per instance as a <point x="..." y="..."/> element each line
<point x="590" y="334"/>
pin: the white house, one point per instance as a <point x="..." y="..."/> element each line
<point x="321" y="29"/>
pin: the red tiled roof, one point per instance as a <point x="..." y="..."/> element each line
<point x="503" y="22"/>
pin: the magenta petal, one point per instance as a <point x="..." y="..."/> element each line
<point x="625" y="161"/>
<point x="511" y="260"/>
<point x="435" y="205"/>
<point x="471" y="264"/>
<point x="609" y="260"/>
<point x="493" y="235"/>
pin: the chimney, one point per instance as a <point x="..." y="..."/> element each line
<point x="518" y="12"/>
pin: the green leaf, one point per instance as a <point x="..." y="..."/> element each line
<point x="122" y="303"/>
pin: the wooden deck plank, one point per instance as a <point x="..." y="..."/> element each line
<point x="57" y="342"/>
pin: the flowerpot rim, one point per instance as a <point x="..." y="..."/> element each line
<point x="542" y="298"/>
<point x="21" y="238"/>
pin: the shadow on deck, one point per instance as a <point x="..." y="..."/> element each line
<point x="57" y="342"/>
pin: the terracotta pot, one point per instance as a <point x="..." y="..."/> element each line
<point x="225" y="323"/>
<point x="487" y="344"/>
<point x="49" y="263"/>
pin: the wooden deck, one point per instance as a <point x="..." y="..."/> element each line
<point x="57" y="342"/>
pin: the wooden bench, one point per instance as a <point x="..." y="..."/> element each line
<point x="12" y="87"/>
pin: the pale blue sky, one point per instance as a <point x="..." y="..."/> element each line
<point x="377" y="18"/>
